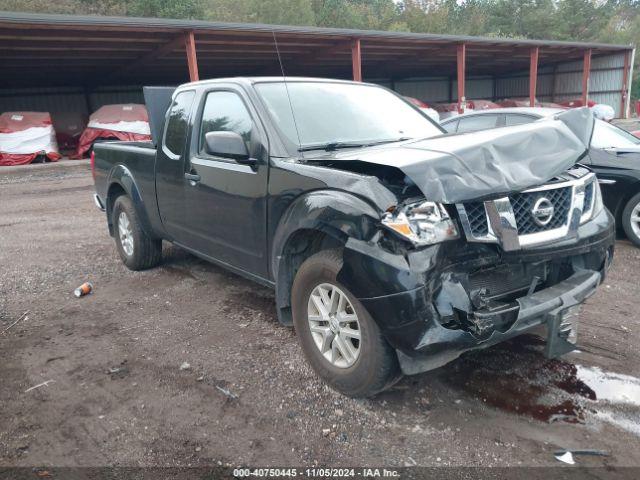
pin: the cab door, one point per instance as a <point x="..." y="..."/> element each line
<point x="226" y="200"/>
<point x="171" y="185"/>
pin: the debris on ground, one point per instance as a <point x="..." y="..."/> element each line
<point x="120" y="371"/>
<point x="410" y="462"/>
<point x="82" y="290"/>
<point x="185" y="366"/>
<point x="227" y="392"/>
<point x="43" y="384"/>
<point x="22" y="317"/>
<point x="566" y="456"/>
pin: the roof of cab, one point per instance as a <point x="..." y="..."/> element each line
<point x="254" y="80"/>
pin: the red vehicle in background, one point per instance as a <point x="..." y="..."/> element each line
<point x="430" y="112"/>
<point x="128" y="122"/>
<point x="26" y="137"/>
<point x="576" y="103"/>
<point x="448" y="110"/>
<point x="69" y="126"/>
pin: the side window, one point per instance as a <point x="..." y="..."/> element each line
<point x="451" y="127"/>
<point x="477" y="122"/>
<point x="178" y="122"/>
<point x="512" y="120"/>
<point x="225" y="111"/>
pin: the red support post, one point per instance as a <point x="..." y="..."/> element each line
<point x="586" y="70"/>
<point x="625" y="87"/>
<point x="533" y="75"/>
<point x="192" y="59"/>
<point x="356" y="60"/>
<point x="461" y="59"/>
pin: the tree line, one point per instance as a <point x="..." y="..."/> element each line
<point x="609" y="21"/>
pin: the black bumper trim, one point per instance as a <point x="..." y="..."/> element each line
<point x="440" y="345"/>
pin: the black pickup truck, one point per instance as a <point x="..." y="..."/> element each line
<point x="392" y="246"/>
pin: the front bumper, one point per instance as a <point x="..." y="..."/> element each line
<point x="421" y="283"/>
<point x="440" y="345"/>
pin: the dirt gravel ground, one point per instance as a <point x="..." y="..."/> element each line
<point x="120" y="391"/>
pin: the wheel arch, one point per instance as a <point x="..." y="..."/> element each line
<point x="316" y="221"/>
<point x="121" y="182"/>
<point x="631" y="190"/>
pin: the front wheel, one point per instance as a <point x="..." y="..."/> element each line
<point x="137" y="250"/>
<point x="631" y="219"/>
<point x="339" y="338"/>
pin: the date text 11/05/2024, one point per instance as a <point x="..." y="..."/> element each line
<point x="325" y="472"/>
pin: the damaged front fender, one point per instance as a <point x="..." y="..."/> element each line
<point x="319" y="219"/>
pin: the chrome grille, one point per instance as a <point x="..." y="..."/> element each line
<point x="477" y="218"/>
<point x="523" y="203"/>
<point x="518" y="220"/>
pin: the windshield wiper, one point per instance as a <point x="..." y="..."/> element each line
<point x="392" y="140"/>
<point x="330" y="146"/>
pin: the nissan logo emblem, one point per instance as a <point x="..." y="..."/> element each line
<point x="542" y="211"/>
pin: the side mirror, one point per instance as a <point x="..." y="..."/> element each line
<point x="227" y="145"/>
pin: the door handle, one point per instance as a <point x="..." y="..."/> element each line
<point x="192" y="177"/>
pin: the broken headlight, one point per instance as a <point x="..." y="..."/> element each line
<point x="422" y="223"/>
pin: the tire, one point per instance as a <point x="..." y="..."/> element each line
<point x="631" y="227"/>
<point x="375" y="367"/>
<point x="138" y="252"/>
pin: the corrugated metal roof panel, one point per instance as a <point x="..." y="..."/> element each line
<point x="198" y="25"/>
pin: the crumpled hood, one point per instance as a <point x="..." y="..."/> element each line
<point x="456" y="168"/>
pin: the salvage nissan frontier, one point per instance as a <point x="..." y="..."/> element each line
<point x="393" y="247"/>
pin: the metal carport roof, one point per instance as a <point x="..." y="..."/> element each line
<point x="54" y="50"/>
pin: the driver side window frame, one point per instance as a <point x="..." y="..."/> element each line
<point x="198" y="148"/>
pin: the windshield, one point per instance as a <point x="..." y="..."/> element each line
<point x="606" y="135"/>
<point x="342" y="115"/>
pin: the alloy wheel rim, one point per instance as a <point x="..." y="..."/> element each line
<point x="334" y="325"/>
<point x="635" y="220"/>
<point x="125" y="233"/>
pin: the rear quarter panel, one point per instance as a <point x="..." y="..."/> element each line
<point x="131" y="166"/>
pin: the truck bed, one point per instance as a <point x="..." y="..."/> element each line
<point x="130" y="161"/>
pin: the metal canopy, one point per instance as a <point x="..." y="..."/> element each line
<point x="66" y="50"/>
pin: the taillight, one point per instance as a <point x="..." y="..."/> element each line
<point x="93" y="165"/>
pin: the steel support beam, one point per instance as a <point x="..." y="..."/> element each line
<point x="533" y="75"/>
<point x="624" y="112"/>
<point x="192" y="59"/>
<point x="356" y="60"/>
<point x="586" y="70"/>
<point x="461" y="59"/>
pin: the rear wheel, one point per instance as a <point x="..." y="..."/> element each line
<point x="631" y="219"/>
<point x="137" y="250"/>
<point x="341" y="341"/>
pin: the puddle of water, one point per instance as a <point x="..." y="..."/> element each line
<point x="612" y="387"/>
<point x="515" y="376"/>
